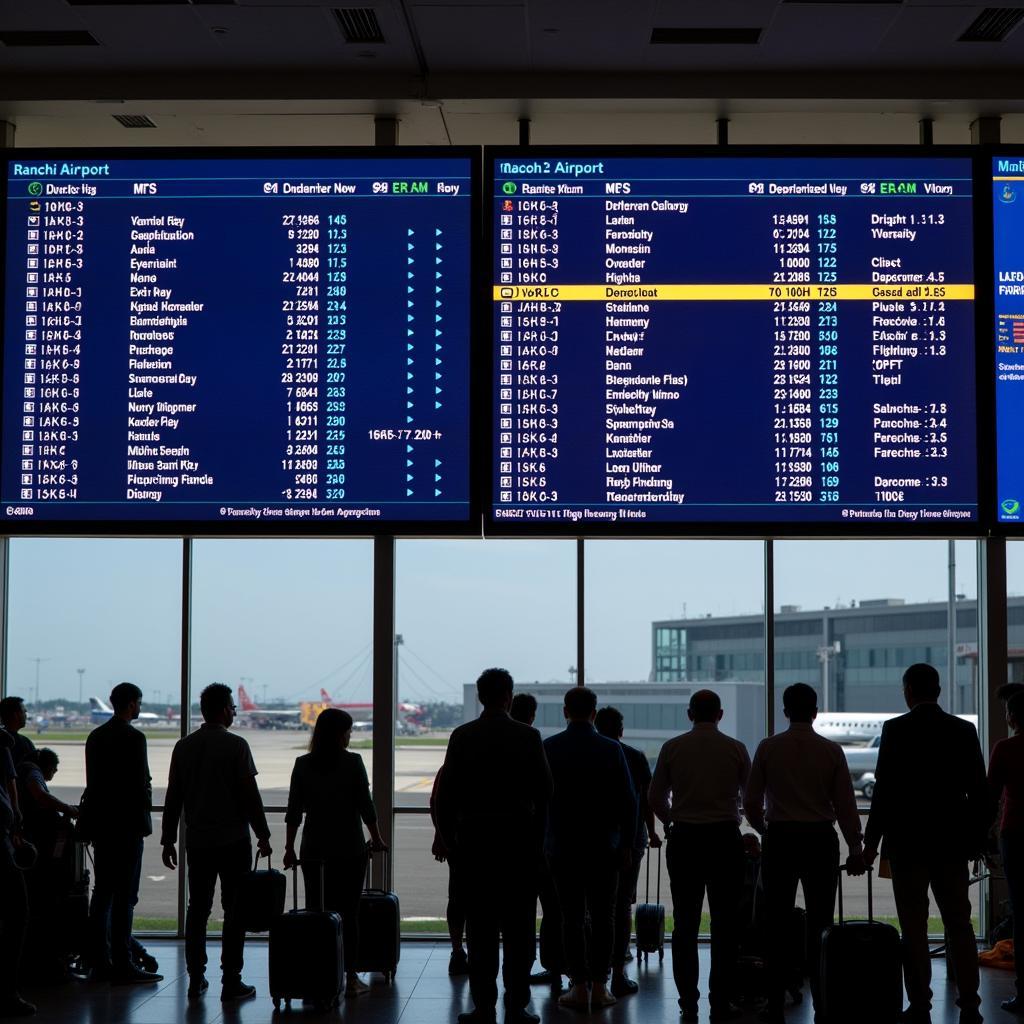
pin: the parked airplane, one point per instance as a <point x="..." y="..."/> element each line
<point x="857" y="727"/>
<point x="271" y="718"/>
<point x="100" y="711"/>
<point x="407" y="719"/>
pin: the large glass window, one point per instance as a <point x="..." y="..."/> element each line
<point x="288" y="626"/>
<point x="851" y="616"/>
<point x="85" y="615"/>
<point x="462" y="606"/>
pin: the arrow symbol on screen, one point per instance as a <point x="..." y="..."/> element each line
<point x="437" y="462"/>
<point x="437" y="405"/>
<point x="437" y="476"/>
<point x="408" y="462"/>
<point x="437" y="375"/>
<point x="408" y="493"/>
<point x="437" y="493"/>
<point x="408" y="477"/>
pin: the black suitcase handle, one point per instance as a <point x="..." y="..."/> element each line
<point x="658" y="882"/>
<point x="295" y="886"/>
<point x="871" y="904"/>
<point x="256" y="862"/>
<point x="386" y="854"/>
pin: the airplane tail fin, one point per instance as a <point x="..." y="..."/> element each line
<point x="96" y="704"/>
<point x="325" y="697"/>
<point x="244" y="701"/>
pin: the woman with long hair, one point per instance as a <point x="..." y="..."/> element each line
<point x="330" y="788"/>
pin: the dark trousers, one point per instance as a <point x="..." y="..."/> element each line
<point x="13" y="921"/>
<point x="117" y="863"/>
<point x="1011" y="845"/>
<point x="705" y="859"/>
<point x="806" y="853"/>
<point x="343" y="885"/>
<point x="500" y="911"/>
<point x="230" y="863"/>
<point x="586" y="886"/>
<point x="455" y="912"/>
<point x="949" y="881"/>
<point x="625" y="897"/>
<point x="552" y="955"/>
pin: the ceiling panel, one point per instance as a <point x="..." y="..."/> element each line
<point x="854" y="34"/>
<point x="464" y="36"/>
<point x="927" y="37"/>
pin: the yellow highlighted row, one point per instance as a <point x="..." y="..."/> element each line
<point x="727" y="292"/>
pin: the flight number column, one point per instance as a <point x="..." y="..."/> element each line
<point x="300" y="351"/>
<point x="528" y="349"/>
<point x="54" y="234"/>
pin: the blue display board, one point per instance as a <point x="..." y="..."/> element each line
<point x="732" y="340"/>
<point x="1008" y="253"/>
<point x="257" y="341"/>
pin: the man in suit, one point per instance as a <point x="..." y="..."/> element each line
<point x="931" y="812"/>
<point x="119" y="799"/>
<point x="494" y="782"/>
<point x="589" y="840"/>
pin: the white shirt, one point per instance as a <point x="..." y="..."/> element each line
<point x="705" y="771"/>
<point x="798" y="775"/>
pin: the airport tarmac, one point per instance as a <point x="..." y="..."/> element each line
<point x="420" y="881"/>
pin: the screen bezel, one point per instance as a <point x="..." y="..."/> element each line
<point x="987" y="154"/>
<point x="468" y="526"/>
<point x="765" y="529"/>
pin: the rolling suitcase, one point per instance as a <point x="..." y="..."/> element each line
<point x="306" y="956"/>
<point x="650" y="919"/>
<point x="262" y="897"/>
<point x="860" y="978"/>
<point x="379" y="926"/>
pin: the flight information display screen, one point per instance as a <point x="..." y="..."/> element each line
<point x="1008" y="252"/>
<point x="251" y="340"/>
<point x="732" y="339"/>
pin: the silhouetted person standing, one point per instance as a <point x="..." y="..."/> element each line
<point x="931" y="812"/>
<point x="13" y="895"/>
<point x="800" y="784"/>
<point x="696" y="791"/>
<point x="589" y="840"/>
<point x="14" y="718"/>
<point x="1006" y="782"/>
<point x="330" y="787"/>
<point x="212" y="782"/>
<point x="119" y="801"/>
<point x="455" y="910"/>
<point x="552" y="959"/>
<point x="494" y="783"/>
<point x="609" y="722"/>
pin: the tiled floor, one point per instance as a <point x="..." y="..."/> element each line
<point x="421" y="994"/>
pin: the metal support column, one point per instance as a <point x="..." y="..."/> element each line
<point x="722" y="131"/>
<point x="992" y="673"/>
<point x="581" y="679"/>
<point x="985" y="131"/>
<point x="524" y="131"/>
<point x="926" y="131"/>
<point x="385" y="131"/>
<point x="769" y="637"/>
<point x="384" y="652"/>
<point x="185" y="699"/>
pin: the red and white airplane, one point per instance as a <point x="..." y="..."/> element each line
<point x="273" y="718"/>
<point x="408" y="715"/>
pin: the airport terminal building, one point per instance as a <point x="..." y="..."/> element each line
<point x="858" y="652"/>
